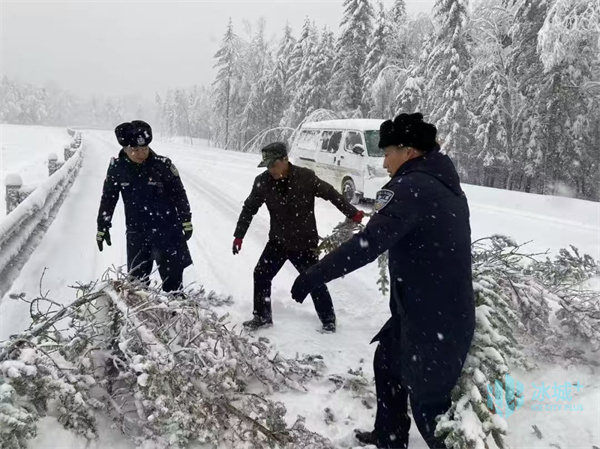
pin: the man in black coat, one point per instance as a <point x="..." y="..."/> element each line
<point x="422" y="218"/>
<point x="289" y="193"/>
<point x="157" y="211"/>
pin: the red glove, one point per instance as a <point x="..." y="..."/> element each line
<point x="237" y="245"/>
<point x="358" y="217"/>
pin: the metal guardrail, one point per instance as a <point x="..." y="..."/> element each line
<point x="23" y="228"/>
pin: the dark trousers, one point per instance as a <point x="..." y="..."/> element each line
<point x="392" y="422"/>
<point x="140" y="259"/>
<point x="269" y="264"/>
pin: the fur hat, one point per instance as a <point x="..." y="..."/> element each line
<point x="408" y="130"/>
<point x="134" y="134"/>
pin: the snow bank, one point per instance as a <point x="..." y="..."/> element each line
<point x="24" y="150"/>
<point x="35" y="212"/>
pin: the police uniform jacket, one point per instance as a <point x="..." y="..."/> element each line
<point x="155" y="202"/>
<point x="422" y="218"/>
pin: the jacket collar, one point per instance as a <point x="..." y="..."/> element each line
<point x="435" y="164"/>
<point x="291" y="175"/>
<point x="408" y="165"/>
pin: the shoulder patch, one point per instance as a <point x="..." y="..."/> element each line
<point x="174" y="170"/>
<point x="112" y="161"/>
<point x="384" y="196"/>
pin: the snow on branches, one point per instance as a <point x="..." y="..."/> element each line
<point x="569" y="25"/>
<point x="514" y="294"/>
<point x="569" y="279"/>
<point x="513" y="314"/>
<point x="168" y="370"/>
<point x="343" y="232"/>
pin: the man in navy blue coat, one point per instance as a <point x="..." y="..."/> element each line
<point x="157" y="211"/>
<point x="422" y="218"/>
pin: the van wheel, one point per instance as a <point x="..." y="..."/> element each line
<point x="349" y="191"/>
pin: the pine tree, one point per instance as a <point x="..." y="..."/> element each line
<point x="473" y="419"/>
<point x="200" y="112"/>
<point x="257" y="63"/>
<point x="171" y="375"/>
<point x="277" y="96"/>
<point x="113" y="111"/>
<point x="347" y="81"/>
<point x="411" y="96"/>
<point x="376" y="98"/>
<point x="182" y="113"/>
<point x="303" y="60"/>
<point x="568" y="25"/>
<point x="494" y="97"/>
<point x="416" y="33"/>
<point x="225" y="83"/>
<point x="557" y="95"/>
<point x="491" y="133"/>
<point x="11" y="99"/>
<point x="447" y="65"/>
<point x="323" y="60"/>
<point x="399" y="11"/>
<point x="408" y="36"/>
<point x="568" y="43"/>
<point x="526" y="69"/>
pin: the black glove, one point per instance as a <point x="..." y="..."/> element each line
<point x="306" y="283"/>
<point x="188" y="229"/>
<point x="103" y="235"/>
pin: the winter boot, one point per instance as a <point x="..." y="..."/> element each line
<point x="328" y="327"/>
<point x="258" y="322"/>
<point x="371" y="438"/>
<point x="366" y="438"/>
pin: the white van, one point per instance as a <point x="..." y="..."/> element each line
<point x="345" y="153"/>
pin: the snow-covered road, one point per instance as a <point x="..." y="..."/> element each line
<point x="217" y="183"/>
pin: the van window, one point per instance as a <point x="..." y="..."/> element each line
<point x="352" y="139"/>
<point x="330" y="141"/>
<point x="309" y="139"/>
<point x="372" y="138"/>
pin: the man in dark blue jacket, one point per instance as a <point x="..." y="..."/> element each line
<point x="157" y="211"/>
<point x="422" y="218"/>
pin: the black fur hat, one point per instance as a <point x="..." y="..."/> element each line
<point x="134" y="134"/>
<point x="409" y="130"/>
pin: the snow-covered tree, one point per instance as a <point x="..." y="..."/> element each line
<point x="226" y="84"/>
<point x="168" y="371"/>
<point x="494" y="97"/>
<point x="277" y="95"/>
<point x="411" y="97"/>
<point x="323" y="60"/>
<point x="568" y="44"/>
<point x="347" y="82"/>
<point x="569" y="25"/>
<point x="376" y="62"/>
<point x="447" y="65"/>
<point x="398" y="12"/>
<point x="303" y="60"/>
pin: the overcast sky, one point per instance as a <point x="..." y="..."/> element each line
<point x="139" y="47"/>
